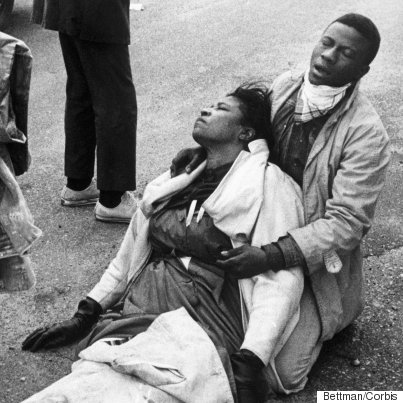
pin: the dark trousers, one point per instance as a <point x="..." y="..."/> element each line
<point x="101" y="113"/>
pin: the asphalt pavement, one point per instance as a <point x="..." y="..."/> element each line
<point x="185" y="54"/>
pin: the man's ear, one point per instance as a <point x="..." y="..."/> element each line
<point x="364" y="70"/>
<point x="247" y="134"/>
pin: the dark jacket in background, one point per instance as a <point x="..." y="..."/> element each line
<point x="104" y="21"/>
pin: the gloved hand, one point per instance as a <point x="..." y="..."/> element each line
<point x="243" y="262"/>
<point x="247" y="369"/>
<point x="67" y="332"/>
<point x="187" y="160"/>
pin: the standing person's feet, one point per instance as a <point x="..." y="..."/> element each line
<point x="75" y="198"/>
<point x="122" y="213"/>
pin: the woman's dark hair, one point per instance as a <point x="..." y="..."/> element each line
<point x="366" y="28"/>
<point x="255" y="108"/>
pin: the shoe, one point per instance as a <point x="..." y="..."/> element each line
<point x="74" y="198"/>
<point x="122" y="213"/>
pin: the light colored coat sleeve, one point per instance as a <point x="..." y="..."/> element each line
<point x="136" y="249"/>
<point x="358" y="181"/>
<point x="132" y="256"/>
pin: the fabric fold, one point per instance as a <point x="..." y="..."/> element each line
<point x="160" y="357"/>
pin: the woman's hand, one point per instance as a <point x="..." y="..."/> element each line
<point x="243" y="262"/>
<point x="187" y="160"/>
<point x="67" y="332"/>
<point x="57" y="335"/>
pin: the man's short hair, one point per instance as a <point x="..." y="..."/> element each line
<point x="366" y="28"/>
<point x="255" y="108"/>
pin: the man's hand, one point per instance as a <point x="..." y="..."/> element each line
<point x="187" y="160"/>
<point x="243" y="262"/>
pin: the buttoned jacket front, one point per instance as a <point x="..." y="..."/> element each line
<point x="104" y="21"/>
<point x="343" y="177"/>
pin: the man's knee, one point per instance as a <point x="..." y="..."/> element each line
<point x="292" y="377"/>
<point x="291" y="370"/>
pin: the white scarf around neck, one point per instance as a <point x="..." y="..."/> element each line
<point x="319" y="98"/>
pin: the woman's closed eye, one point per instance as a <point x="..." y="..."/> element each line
<point x="217" y="107"/>
<point x="222" y="106"/>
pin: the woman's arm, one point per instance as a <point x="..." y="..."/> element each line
<point x="133" y="254"/>
<point x="108" y="291"/>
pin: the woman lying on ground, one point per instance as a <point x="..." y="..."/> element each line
<point x="170" y="255"/>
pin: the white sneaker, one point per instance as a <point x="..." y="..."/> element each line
<point x="122" y="213"/>
<point x="74" y="198"/>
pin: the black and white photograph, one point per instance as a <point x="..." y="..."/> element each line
<point x="201" y="201"/>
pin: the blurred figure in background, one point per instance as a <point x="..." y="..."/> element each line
<point x="101" y="108"/>
<point x="17" y="232"/>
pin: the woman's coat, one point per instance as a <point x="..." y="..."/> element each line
<point x="254" y="199"/>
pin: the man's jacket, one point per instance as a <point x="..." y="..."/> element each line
<point x="104" y="21"/>
<point x="256" y="200"/>
<point x="342" y="180"/>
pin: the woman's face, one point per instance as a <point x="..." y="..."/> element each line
<point x="219" y="123"/>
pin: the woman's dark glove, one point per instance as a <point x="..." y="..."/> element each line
<point x="67" y="332"/>
<point x="187" y="160"/>
<point x="247" y="369"/>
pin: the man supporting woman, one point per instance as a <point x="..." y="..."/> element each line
<point x="168" y="258"/>
<point x="331" y="141"/>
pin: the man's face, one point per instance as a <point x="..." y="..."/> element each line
<point x="219" y="123"/>
<point x="339" y="57"/>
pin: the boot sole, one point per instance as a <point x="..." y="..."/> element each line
<point x="77" y="203"/>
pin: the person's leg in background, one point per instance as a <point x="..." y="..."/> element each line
<point x="108" y="73"/>
<point x="301" y="350"/>
<point x="80" y="135"/>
